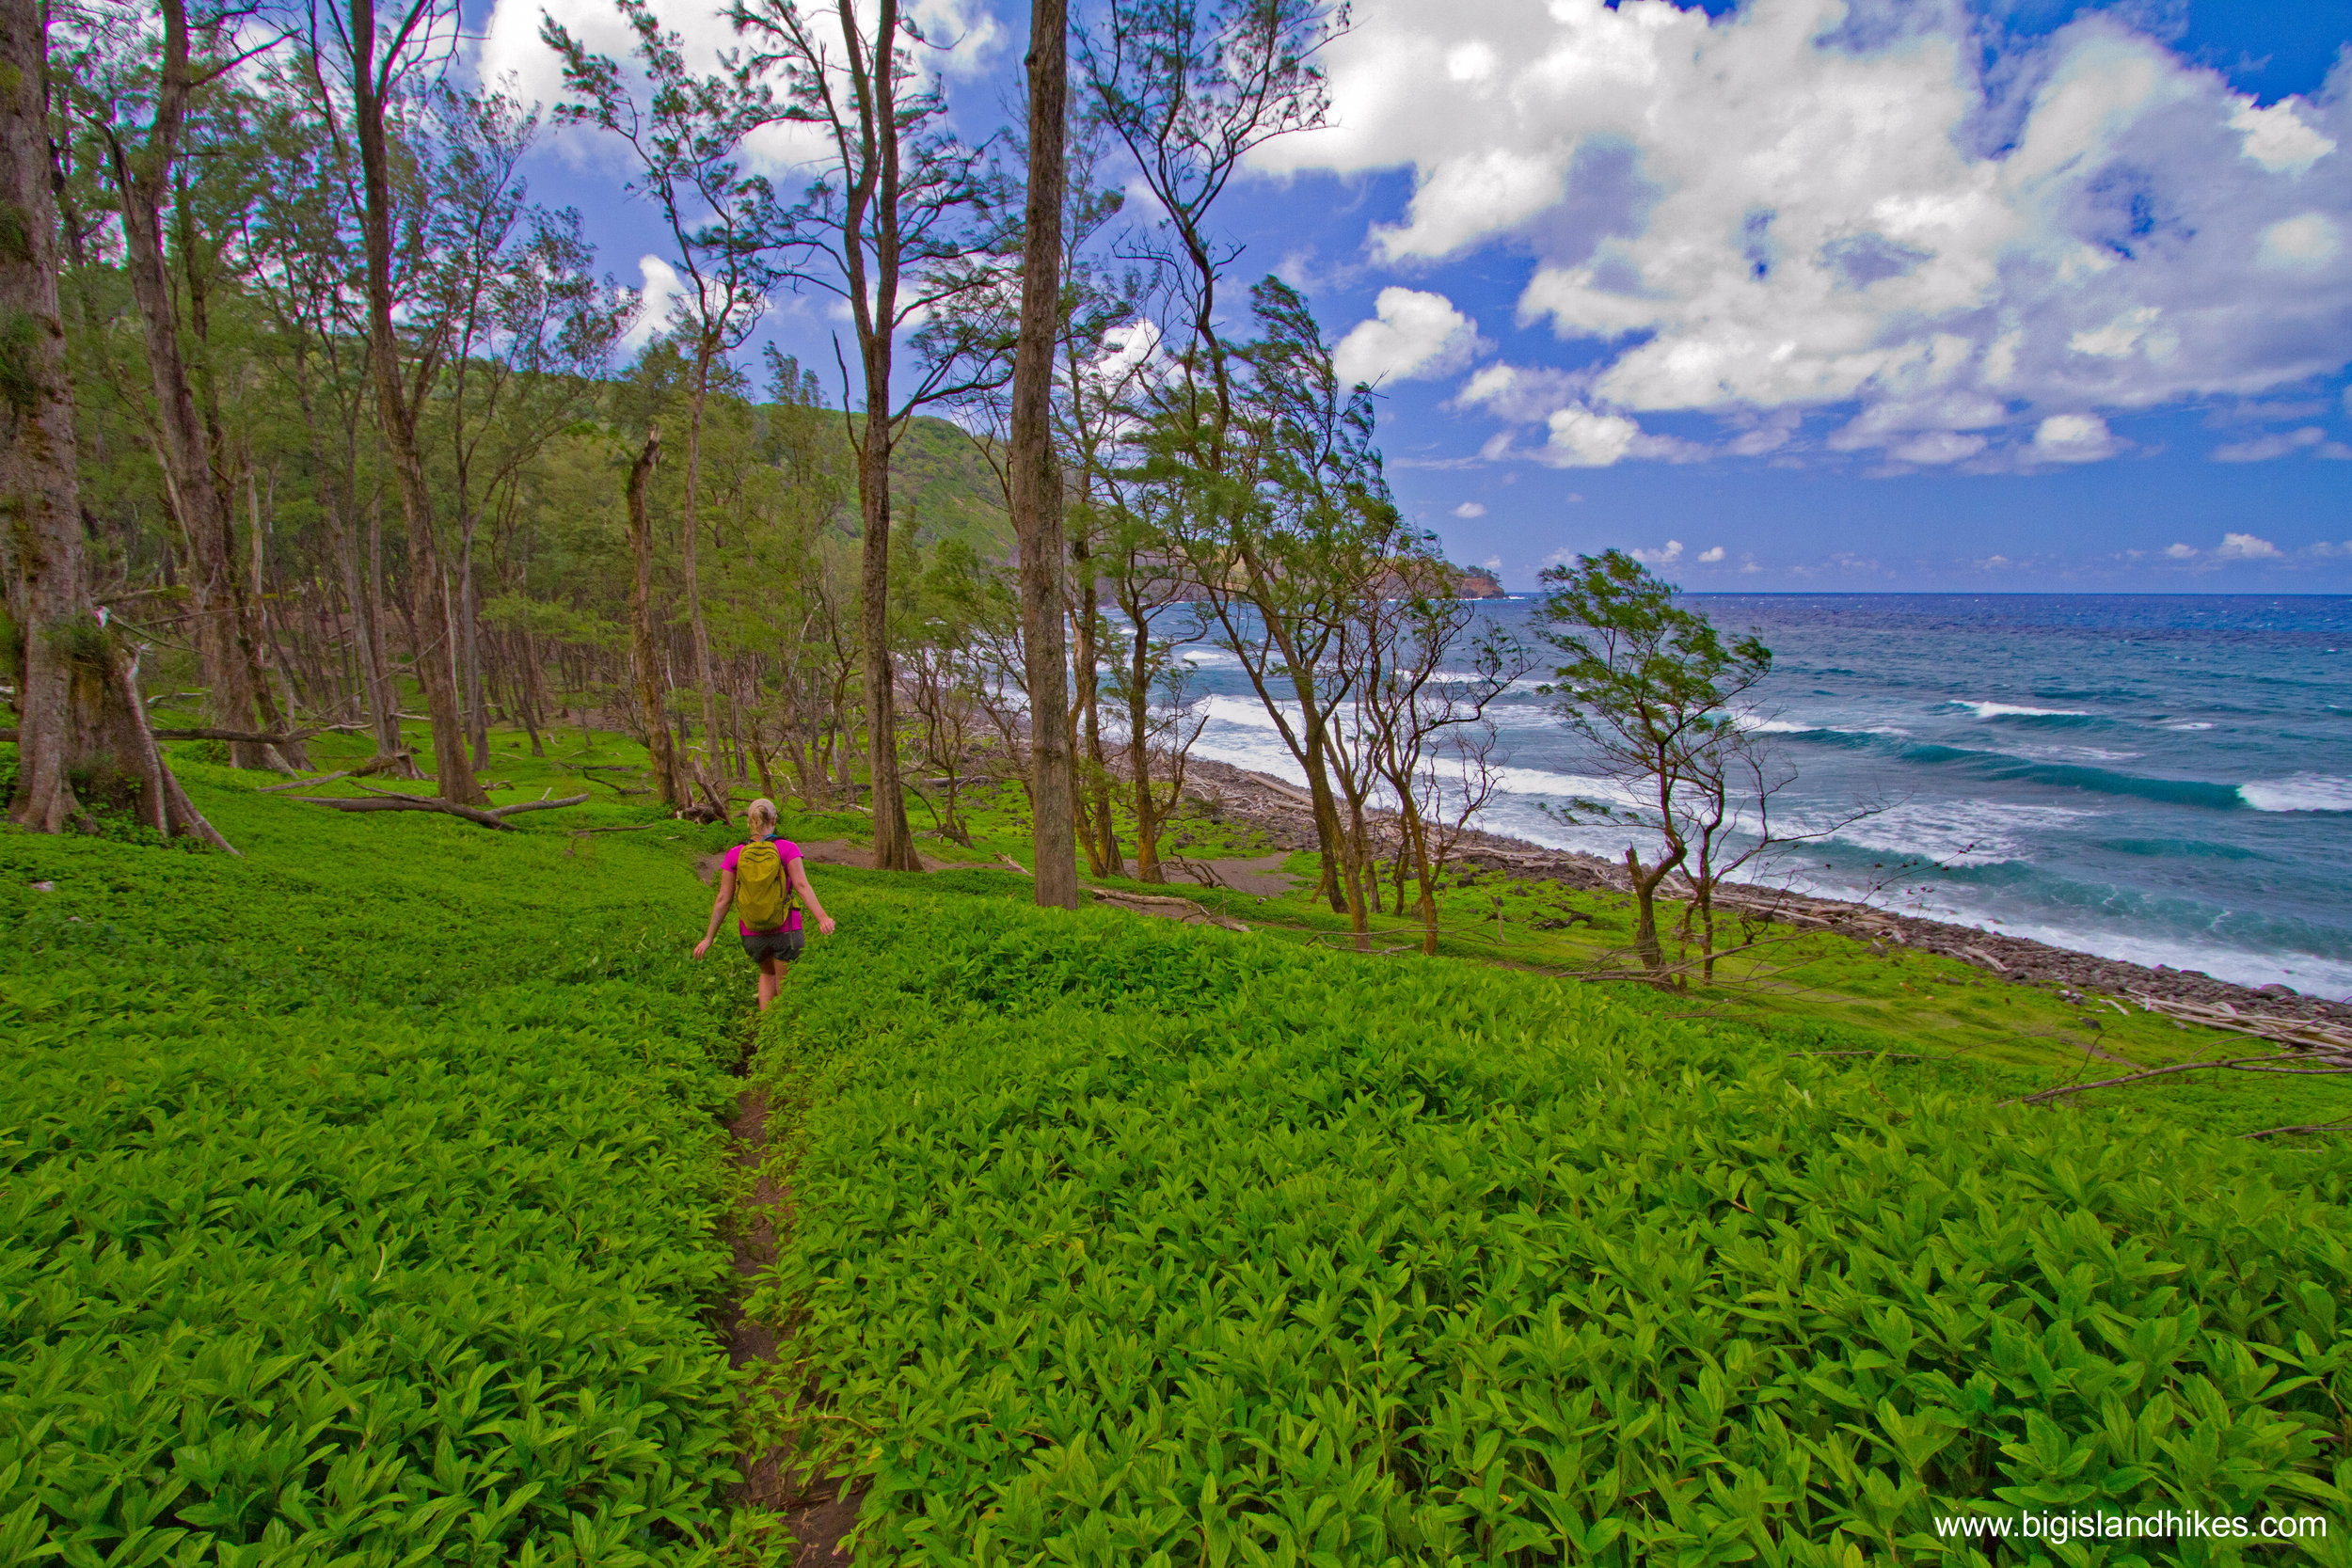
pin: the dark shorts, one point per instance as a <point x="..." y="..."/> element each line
<point x="783" y="946"/>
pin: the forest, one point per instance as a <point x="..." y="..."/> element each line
<point x="337" y="421"/>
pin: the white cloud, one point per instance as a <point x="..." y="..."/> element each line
<point x="2302" y="241"/>
<point x="2244" y="547"/>
<point x="2074" y="438"/>
<point x="1673" y="552"/>
<point x="967" y="42"/>
<point x="1808" y="203"/>
<point x="1412" y="335"/>
<point x="1936" y="447"/>
<point x="1582" y="439"/>
<point x="1469" y="509"/>
<point x="2261" y="449"/>
<point x="2277" y="139"/>
<point x="1711" y="557"/>
<point x="2181" y="552"/>
<point x="662" y="288"/>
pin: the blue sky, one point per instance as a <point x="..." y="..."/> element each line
<point x="1803" y="294"/>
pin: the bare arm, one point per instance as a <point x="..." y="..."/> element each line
<point x="808" y="897"/>
<point x="718" y="910"/>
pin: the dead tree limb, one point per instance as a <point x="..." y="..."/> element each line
<point x="494" y="817"/>
<point x="377" y="765"/>
<point x="2240" y="1064"/>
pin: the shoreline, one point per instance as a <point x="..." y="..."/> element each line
<point x="1283" y="812"/>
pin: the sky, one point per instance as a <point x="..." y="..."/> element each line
<point x="1791" y="296"/>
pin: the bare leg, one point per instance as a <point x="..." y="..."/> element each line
<point x="771" y="980"/>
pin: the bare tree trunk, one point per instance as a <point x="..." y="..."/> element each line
<point x="1037" y="492"/>
<point x="1147" y="867"/>
<point x="223" y="634"/>
<point x="469" y="648"/>
<point x="427" y="588"/>
<point x="1645" y="886"/>
<point x="1103" y="846"/>
<point x="894" y="844"/>
<point x="367" y="579"/>
<point x="77" y="691"/>
<point x="712" y="770"/>
<point x="641" y="644"/>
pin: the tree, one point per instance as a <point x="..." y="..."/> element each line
<point x="722" y="221"/>
<point x="79" y="715"/>
<point x="1036" y="474"/>
<point x="381" y="63"/>
<point x="890" y="227"/>
<point x="1286" y="523"/>
<point x="1424" y="725"/>
<point x="528" y="325"/>
<point x="146" y="171"/>
<point x="645" y="657"/>
<point x="1656" y="691"/>
<point x="307" y="281"/>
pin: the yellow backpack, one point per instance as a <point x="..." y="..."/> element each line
<point x="763" y="894"/>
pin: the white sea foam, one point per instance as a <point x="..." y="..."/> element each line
<point x="1958" y="832"/>
<point x="2192" y="724"/>
<point x="2299" y="792"/>
<point x="2011" y="710"/>
<point x="1246" y="712"/>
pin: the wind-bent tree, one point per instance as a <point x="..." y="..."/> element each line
<point x="1286" y="524"/>
<point x="686" y="138"/>
<point x="890" y="225"/>
<point x="1417" y="713"/>
<point x="1656" y="691"/>
<point x="78" y="703"/>
<point x="380" y="62"/>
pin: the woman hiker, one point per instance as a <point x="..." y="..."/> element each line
<point x="761" y="879"/>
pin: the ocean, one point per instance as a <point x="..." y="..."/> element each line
<point x="2165" y="780"/>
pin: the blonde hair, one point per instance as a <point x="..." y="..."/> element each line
<point x="761" y="813"/>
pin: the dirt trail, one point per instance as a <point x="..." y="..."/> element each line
<point x="817" y="1527"/>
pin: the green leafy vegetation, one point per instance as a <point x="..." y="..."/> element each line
<point x="363" y="1195"/>
<point x="360" y="1194"/>
<point x="1126" y="1243"/>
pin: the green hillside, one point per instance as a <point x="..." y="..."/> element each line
<point x="367" y="1202"/>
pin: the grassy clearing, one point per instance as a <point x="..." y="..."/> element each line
<point x="362" y="1202"/>
<point x="361" y="1195"/>
<point x="1808" y="990"/>
<point x="1124" y="1242"/>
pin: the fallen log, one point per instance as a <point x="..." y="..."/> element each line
<point x="1182" y="909"/>
<point x="364" y="770"/>
<point x="260" y="738"/>
<point x="387" y="800"/>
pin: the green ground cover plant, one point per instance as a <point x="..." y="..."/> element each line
<point x="1808" y="990"/>
<point x="360" y="1197"/>
<point x="1125" y="1243"/>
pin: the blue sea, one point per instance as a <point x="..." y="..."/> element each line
<point x="2167" y="780"/>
